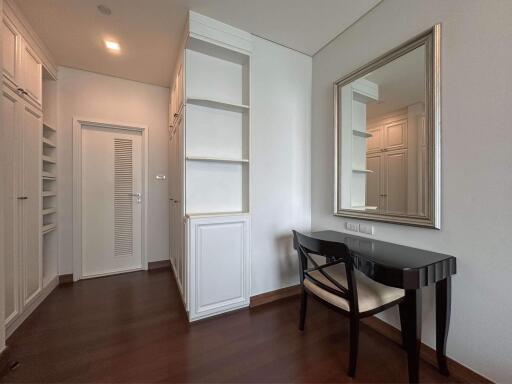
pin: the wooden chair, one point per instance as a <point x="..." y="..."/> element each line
<point x="333" y="281"/>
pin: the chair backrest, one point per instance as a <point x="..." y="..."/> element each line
<point x="333" y="252"/>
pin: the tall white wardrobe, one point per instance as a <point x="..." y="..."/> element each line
<point x="29" y="161"/>
<point x="209" y="163"/>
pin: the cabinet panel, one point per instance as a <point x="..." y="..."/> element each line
<point x="374" y="181"/>
<point x="396" y="181"/>
<point x="374" y="142"/>
<point x="8" y="129"/>
<point x="31" y="126"/>
<point x="219" y="260"/>
<point x="395" y="135"/>
<point x="31" y="73"/>
<point x="10" y="51"/>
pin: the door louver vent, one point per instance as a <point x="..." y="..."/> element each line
<point x="123" y="199"/>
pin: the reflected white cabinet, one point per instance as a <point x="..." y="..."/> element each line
<point x="219" y="264"/>
<point x="22" y="68"/>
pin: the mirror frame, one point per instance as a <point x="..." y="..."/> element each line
<point x="432" y="41"/>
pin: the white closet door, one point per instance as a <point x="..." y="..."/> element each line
<point x="10" y="51"/>
<point x="8" y="129"/>
<point x="31" y="73"/>
<point x="111" y="209"/>
<point x="374" y="180"/>
<point x="31" y="127"/>
<point x="395" y="172"/>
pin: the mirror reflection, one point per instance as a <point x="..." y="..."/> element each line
<point x="384" y="141"/>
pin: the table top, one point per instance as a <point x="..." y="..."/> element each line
<point x="393" y="264"/>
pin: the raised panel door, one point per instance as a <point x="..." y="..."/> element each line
<point x="8" y="130"/>
<point x="395" y="171"/>
<point x="10" y="52"/>
<point x="32" y="80"/>
<point x="374" y="181"/>
<point x="374" y="142"/>
<point x="395" y="135"/>
<point x="219" y="260"/>
<point x="31" y="128"/>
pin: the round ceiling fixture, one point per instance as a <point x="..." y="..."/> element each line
<point x="104" y="10"/>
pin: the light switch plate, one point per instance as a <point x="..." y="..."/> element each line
<point x="366" y="228"/>
<point x="352" y="227"/>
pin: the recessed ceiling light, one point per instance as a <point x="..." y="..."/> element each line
<point x="104" y="10"/>
<point x="113" y="45"/>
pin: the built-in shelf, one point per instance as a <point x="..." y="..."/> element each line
<point x="49" y="194"/>
<point x="48" y="211"/>
<point x="48" y="159"/>
<point x="48" y="175"/>
<point x="361" y="133"/>
<point x="49" y="127"/>
<point x="48" y="143"/>
<point x="48" y="228"/>
<point x="217" y="159"/>
<point x="217" y="104"/>
<point x="210" y="214"/>
<point x="362" y="170"/>
<point x="363" y="208"/>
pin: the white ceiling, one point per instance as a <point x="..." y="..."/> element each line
<point x="149" y="31"/>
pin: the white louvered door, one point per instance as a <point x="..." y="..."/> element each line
<point x="111" y="201"/>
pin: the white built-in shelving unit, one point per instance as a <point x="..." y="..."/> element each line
<point x="210" y="167"/>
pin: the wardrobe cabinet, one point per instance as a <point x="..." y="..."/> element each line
<point x="386" y="161"/>
<point x="23" y="124"/>
<point x="209" y="167"/>
<point x="22" y="68"/>
<point x="29" y="169"/>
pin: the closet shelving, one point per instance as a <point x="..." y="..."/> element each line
<point x="217" y="135"/>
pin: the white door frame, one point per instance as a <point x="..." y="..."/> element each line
<point x="78" y="124"/>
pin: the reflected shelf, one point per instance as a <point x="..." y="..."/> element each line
<point x="362" y="170"/>
<point x="361" y="133"/>
<point x="47" y="228"/>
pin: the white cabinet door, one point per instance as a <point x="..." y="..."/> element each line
<point x="11" y="51"/>
<point x="374" y="181"/>
<point x="219" y="264"/>
<point x="374" y="142"/>
<point x="395" y="173"/>
<point x="395" y="135"/>
<point x="8" y="129"/>
<point x="31" y="74"/>
<point x="31" y="123"/>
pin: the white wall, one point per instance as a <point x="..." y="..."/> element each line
<point x="92" y="96"/>
<point x="476" y="162"/>
<point x="280" y="161"/>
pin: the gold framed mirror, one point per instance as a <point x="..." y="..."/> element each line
<point x="387" y="136"/>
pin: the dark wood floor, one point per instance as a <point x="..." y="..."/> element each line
<point x="132" y="328"/>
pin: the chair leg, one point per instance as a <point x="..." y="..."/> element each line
<point x="354" y="345"/>
<point x="403" y="323"/>
<point x="303" y="309"/>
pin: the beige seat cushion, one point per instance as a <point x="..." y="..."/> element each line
<point x="371" y="294"/>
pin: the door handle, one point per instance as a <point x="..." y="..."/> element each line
<point x="23" y="198"/>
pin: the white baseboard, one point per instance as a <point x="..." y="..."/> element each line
<point x="47" y="289"/>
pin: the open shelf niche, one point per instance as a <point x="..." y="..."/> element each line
<point x="218" y="131"/>
<point x="49" y="181"/>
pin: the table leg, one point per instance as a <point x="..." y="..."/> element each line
<point x="443" y="309"/>
<point x="412" y="317"/>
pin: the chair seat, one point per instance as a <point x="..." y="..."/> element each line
<point x="371" y="294"/>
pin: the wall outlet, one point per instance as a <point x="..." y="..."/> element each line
<point x="366" y="228"/>
<point x="352" y="227"/>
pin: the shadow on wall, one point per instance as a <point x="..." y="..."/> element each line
<point x="288" y="262"/>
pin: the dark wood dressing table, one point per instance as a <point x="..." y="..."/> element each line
<point x="410" y="269"/>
